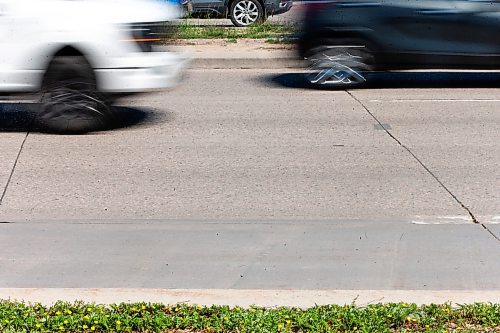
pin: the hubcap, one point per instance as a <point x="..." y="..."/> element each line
<point x="71" y="100"/>
<point x="337" y="70"/>
<point x="245" y="12"/>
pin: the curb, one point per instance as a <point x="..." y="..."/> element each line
<point x="206" y="56"/>
<point x="246" y="63"/>
<point x="246" y="298"/>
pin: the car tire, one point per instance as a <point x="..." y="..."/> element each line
<point x="341" y="64"/>
<point x="244" y="13"/>
<point x="70" y="102"/>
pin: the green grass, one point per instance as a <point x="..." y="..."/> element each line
<point x="186" y="30"/>
<point x="144" y="317"/>
<point x="280" y="40"/>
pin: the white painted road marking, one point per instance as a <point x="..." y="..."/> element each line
<point x="454" y="219"/>
<point x="432" y="100"/>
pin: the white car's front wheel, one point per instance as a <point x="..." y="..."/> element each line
<point x="70" y="102"/>
<point x="246" y="12"/>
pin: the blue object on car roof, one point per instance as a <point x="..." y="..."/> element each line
<point x="173" y="2"/>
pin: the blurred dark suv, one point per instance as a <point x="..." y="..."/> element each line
<point x="346" y="39"/>
<point x="241" y="12"/>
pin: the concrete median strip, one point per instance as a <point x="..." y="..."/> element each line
<point x="246" y="54"/>
<point x="246" y="298"/>
<point x="244" y="63"/>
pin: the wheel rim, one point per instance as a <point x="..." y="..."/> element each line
<point x="245" y="12"/>
<point x="341" y="69"/>
<point x="336" y="76"/>
<point x="72" y="100"/>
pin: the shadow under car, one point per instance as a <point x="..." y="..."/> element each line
<point x="21" y="117"/>
<point x="403" y="79"/>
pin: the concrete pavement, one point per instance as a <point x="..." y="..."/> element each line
<point x="244" y="179"/>
<point x="472" y="150"/>
<point x="269" y="255"/>
<point x="233" y="145"/>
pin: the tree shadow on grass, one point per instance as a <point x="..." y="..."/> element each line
<point x="18" y="117"/>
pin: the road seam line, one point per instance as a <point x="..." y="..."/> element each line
<point x="491" y="232"/>
<point x="14" y="167"/>
<point x="474" y="220"/>
<point x="415" y="157"/>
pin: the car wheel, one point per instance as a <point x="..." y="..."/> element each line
<point x="70" y="102"/>
<point x="342" y="65"/>
<point x="246" y="12"/>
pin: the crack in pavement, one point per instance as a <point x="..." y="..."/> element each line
<point x="474" y="220"/>
<point x="14" y="167"/>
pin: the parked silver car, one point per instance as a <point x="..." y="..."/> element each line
<point x="241" y="12"/>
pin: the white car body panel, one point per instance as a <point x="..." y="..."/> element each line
<point x="32" y="31"/>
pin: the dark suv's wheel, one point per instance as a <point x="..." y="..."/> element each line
<point x="246" y="12"/>
<point x="70" y="102"/>
<point x="340" y="65"/>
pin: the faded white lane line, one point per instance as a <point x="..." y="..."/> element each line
<point x="454" y="219"/>
<point x="432" y="100"/>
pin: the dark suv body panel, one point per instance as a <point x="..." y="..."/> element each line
<point x="410" y="33"/>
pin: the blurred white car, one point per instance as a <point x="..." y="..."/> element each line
<point x="80" y="53"/>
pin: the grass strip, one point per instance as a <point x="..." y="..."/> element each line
<point x="146" y="317"/>
<point x="187" y="30"/>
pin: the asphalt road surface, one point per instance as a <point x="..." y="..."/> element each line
<point x="247" y="179"/>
